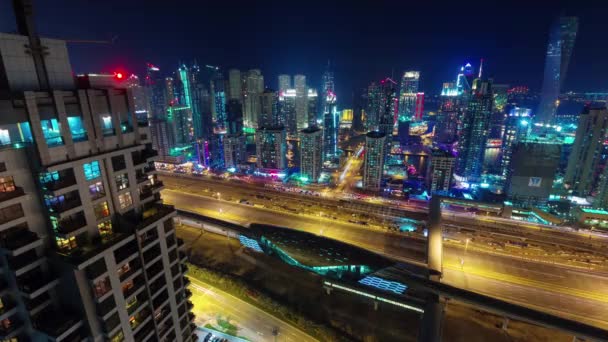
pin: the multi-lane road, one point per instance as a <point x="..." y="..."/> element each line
<point x="569" y="292"/>
<point x="254" y="324"/>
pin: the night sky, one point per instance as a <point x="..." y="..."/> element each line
<point x="364" y="41"/>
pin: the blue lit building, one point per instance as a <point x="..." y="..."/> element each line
<point x="474" y="131"/>
<point x="517" y="126"/>
<point x="331" y="125"/>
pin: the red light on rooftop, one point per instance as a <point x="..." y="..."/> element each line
<point x="119" y="75"/>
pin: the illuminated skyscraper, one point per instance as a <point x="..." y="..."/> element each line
<point x="327" y="86"/>
<point x="284" y="82"/>
<point x="474" y="131"/>
<point x="253" y="90"/>
<point x="271" y="148"/>
<point x="407" y="93"/>
<point x="312" y="102"/>
<point x="372" y="108"/>
<point x="234" y="150"/>
<point x="287" y="110"/>
<point x="517" y="124"/>
<point x="331" y="125"/>
<point x="302" y="118"/>
<point x="311" y="149"/>
<point x="156" y="91"/>
<point x="419" y="108"/>
<point x="440" y="172"/>
<point x="373" y="168"/>
<point x="218" y="105"/>
<point x="234" y="117"/>
<point x="559" y="50"/>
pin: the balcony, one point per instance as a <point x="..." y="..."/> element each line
<point x="126" y="252"/>
<point x="161" y="315"/>
<point x="57" y="325"/>
<point x="38" y="304"/>
<point x="132" y="287"/>
<point x="69" y="225"/>
<point x="96" y="270"/>
<point x="24" y="262"/>
<point x="160" y="300"/>
<point x="20" y="241"/>
<point x="155" y="270"/>
<point x="183" y="257"/>
<point x="8" y="308"/>
<point x="189" y="305"/>
<point x="188" y="293"/>
<point x="151" y="215"/>
<point x="11" y="213"/>
<point x="145" y="332"/>
<point x="145" y="194"/>
<point x="58" y="208"/>
<point x="111" y="325"/>
<point x="8" y="195"/>
<point x="148" y="239"/>
<point x="150" y="168"/>
<point x="152" y="254"/>
<point x="128" y="270"/>
<point x="92" y="248"/>
<point x="64" y="180"/>
<point x="106" y="307"/>
<point x="180" y="243"/>
<point x="148" y="154"/>
<point x="164" y="328"/>
<point x="137" y="303"/>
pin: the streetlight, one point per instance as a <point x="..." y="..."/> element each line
<point x="219" y="196"/>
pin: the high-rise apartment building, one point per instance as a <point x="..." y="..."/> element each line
<point x="407" y="94"/>
<point x="302" y="118"/>
<point x="284" y="83"/>
<point x="234" y="117"/>
<point x="89" y="251"/>
<point x="269" y="111"/>
<point x="440" y="172"/>
<point x="234" y="150"/>
<point x="589" y="152"/>
<point x="254" y="89"/>
<point x="373" y="167"/>
<point x="311" y="147"/>
<point x="287" y="111"/>
<point x="235" y="82"/>
<point x="156" y="91"/>
<point x="517" y="125"/>
<point x="313" y="104"/>
<point x="474" y="131"/>
<point x="559" y="50"/>
<point x="270" y="148"/>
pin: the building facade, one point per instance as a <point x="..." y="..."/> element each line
<point x="373" y="167"/>
<point x="271" y="148"/>
<point x="311" y="147"/>
<point x="440" y="172"/>
<point x="89" y="251"/>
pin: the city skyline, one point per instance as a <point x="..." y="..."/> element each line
<point x="514" y="53"/>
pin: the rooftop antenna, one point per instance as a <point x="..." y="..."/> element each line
<point x="24" y="15"/>
<point x="480" y="67"/>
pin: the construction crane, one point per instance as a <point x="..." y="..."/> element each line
<point x="91" y="41"/>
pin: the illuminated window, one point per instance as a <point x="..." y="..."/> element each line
<point x="123" y="269"/>
<point x="119" y="337"/>
<point x="52" y="132"/>
<point x="106" y="125"/>
<point x="102" y="287"/>
<point x="122" y="181"/>
<point x="101" y="210"/>
<point x="79" y="133"/>
<point x="125" y="200"/>
<point x="105" y="228"/>
<point x="7" y="184"/>
<point x="48" y="177"/>
<point x="66" y="245"/>
<point x="96" y="190"/>
<point x="91" y="170"/>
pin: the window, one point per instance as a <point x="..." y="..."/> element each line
<point x="96" y="190"/>
<point x="118" y="163"/>
<point x="123" y="269"/>
<point x="2" y="166"/>
<point x="122" y="181"/>
<point x="101" y="210"/>
<point x="51" y="129"/>
<point x="125" y="200"/>
<point x="48" y="177"/>
<point x="66" y="245"/>
<point x="79" y="133"/>
<point x="106" y="125"/>
<point x="102" y="287"/>
<point x="7" y="184"/>
<point x="105" y="229"/>
<point x="91" y="170"/>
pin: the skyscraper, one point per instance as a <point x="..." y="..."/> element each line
<point x="589" y="152"/>
<point x="440" y="172"/>
<point x="327" y="86"/>
<point x="313" y="100"/>
<point x="559" y="50"/>
<point x="234" y="150"/>
<point x="235" y="91"/>
<point x="302" y="118"/>
<point x="284" y="82"/>
<point x="311" y="147"/>
<point x="269" y="111"/>
<point x="156" y="91"/>
<point x="234" y="117"/>
<point x="331" y="125"/>
<point x="372" y="107"/>
<point x="270" y="149"/>
<point x="88" y="247"/>
<point x="407" y="93"/>
<point x="373" y="167"/>
<point x="254" y="89"/>
<point x="517" y="124"/>
<point x="287" y="111"/>
<point x="474" y="131"/>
